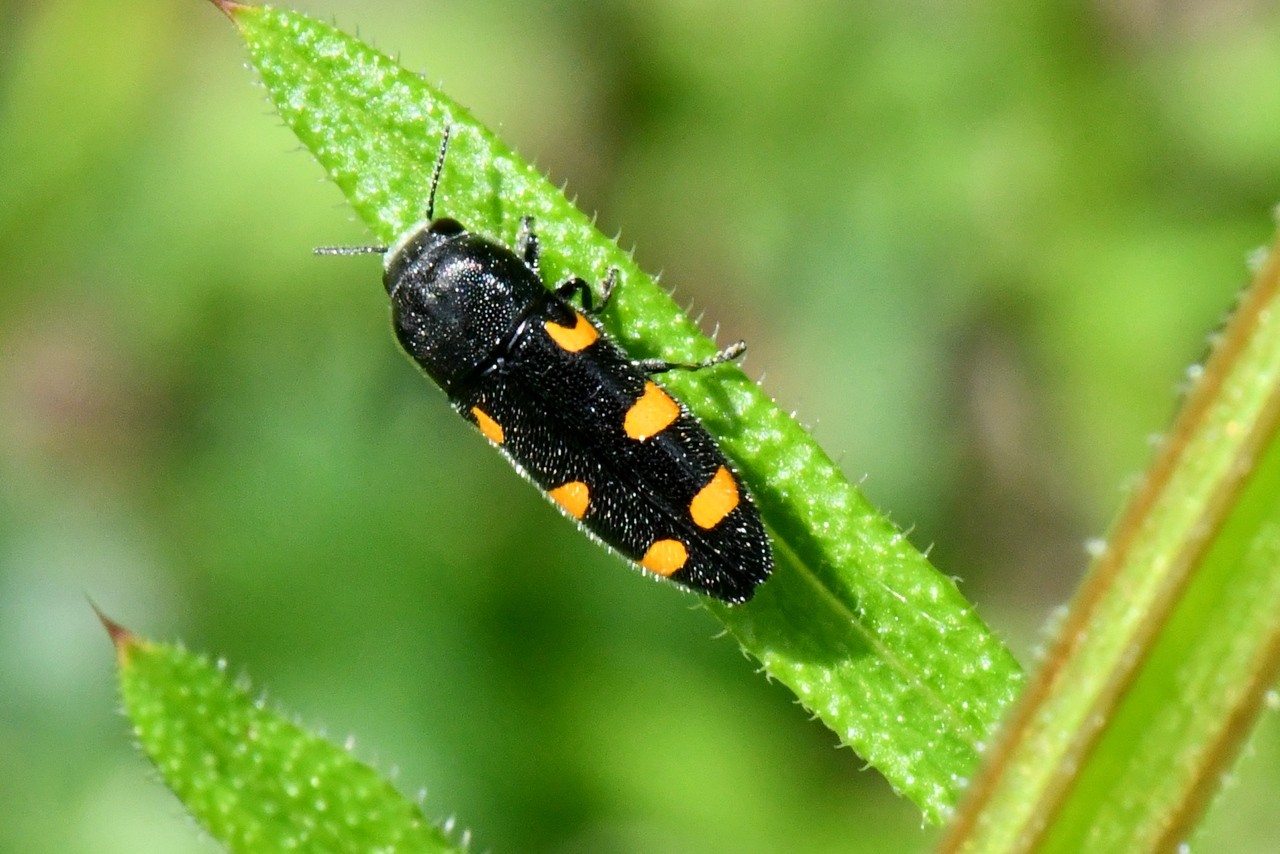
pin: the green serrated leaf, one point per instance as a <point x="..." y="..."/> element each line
<point x="255" y="781"/>
<point x="873" y="639"/>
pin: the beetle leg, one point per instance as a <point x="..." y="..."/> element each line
<point x="659" y="366"/>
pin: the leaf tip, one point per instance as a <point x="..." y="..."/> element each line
<point x="121" y="638"/>
<point x="228" y="7"/>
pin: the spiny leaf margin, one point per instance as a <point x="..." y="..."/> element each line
<point x="253" y="779"/>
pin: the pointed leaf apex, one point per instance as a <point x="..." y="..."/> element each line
<point x="228" y="7"/>
<point x="121" y="638"/>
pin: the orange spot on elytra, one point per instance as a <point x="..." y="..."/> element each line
<point x="574" y="338"/>
<point x="665" y="557"/>
<point x="715" y="500"/>
<point x="490" y="428"/>
<point x="573" y="496"/>
<point x="652" y="413"/>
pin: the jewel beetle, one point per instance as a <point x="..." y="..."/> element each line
<point x="567" y="407"/>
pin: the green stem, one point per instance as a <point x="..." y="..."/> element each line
<point x="1160" y="667"/>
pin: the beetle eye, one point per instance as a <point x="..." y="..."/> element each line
<point x="446" y="227"/>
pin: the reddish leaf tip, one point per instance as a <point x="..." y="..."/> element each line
<point x="228" y="7"/>
<point x="121" y="637"/>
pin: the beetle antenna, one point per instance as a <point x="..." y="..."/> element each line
<point x="435" y="173"/>
<point x="431" y="207"/>
<point x="350" y="250"/>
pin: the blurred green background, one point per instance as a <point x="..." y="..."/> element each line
<point x="974" y="246"/>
